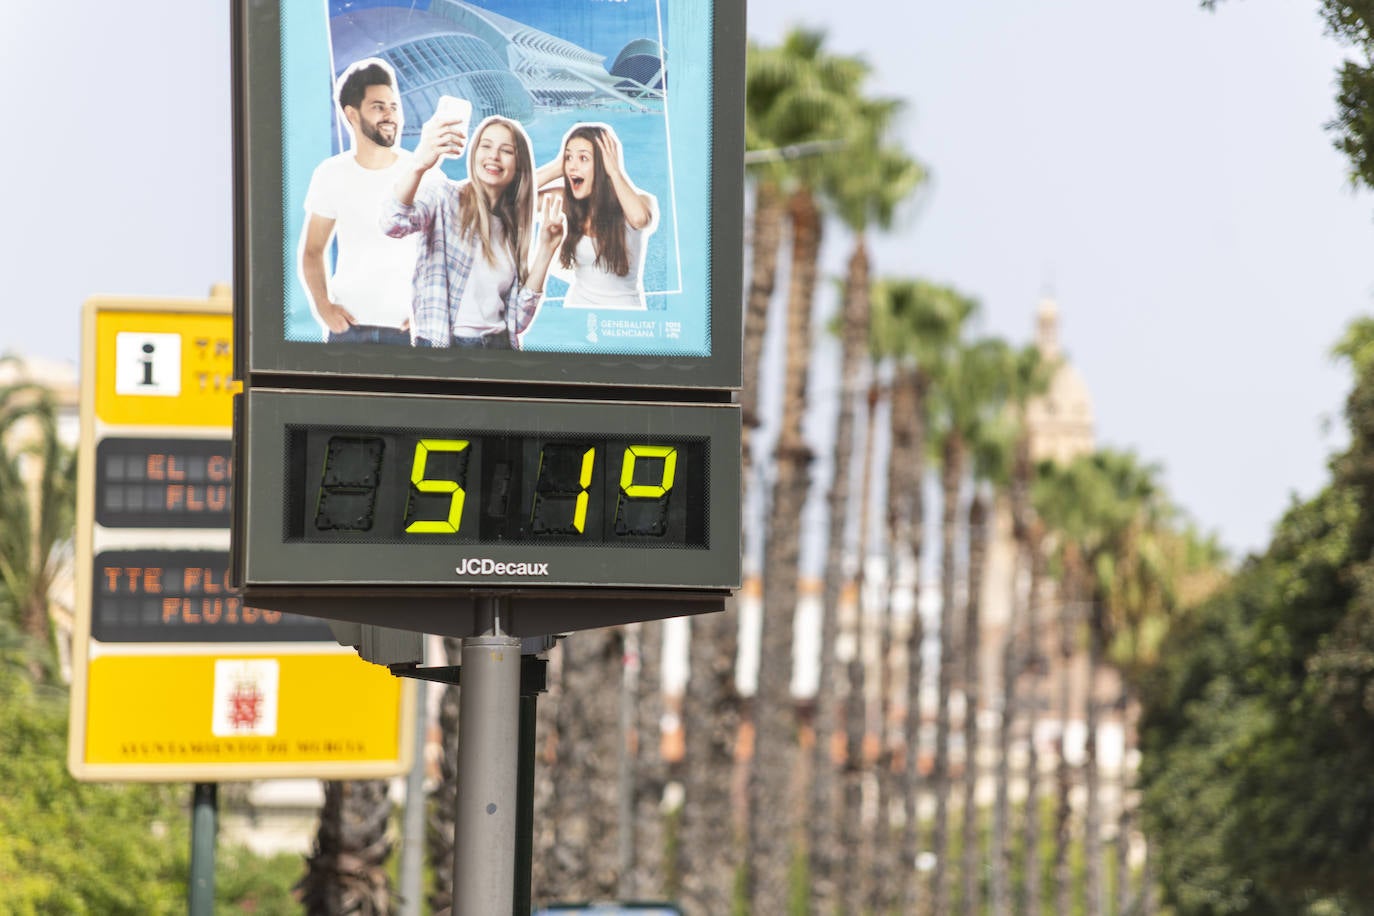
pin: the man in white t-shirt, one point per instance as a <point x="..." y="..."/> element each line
<point x="368" y="298"/>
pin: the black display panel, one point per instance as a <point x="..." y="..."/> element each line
<point x="410" y="493"/>
<point x="455" y="486"/>
<point x="163" y="483"/>
<point x="157" y="596"/>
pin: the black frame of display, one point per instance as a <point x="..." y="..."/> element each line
<point x="261" y="267"/>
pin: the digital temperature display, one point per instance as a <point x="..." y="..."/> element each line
<point x="357" y="485"/>
<point x="404" y="509"/>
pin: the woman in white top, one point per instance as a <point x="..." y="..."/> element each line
<point x="608" y="220"/>
<point x="477" y="284"/>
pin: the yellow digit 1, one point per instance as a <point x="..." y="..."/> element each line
<point x="627" y="470"/>
<point x="426" y="485"/>
<point x="584" y="480"/>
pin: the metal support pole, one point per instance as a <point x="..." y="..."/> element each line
<point x="204" y="827"/>
<point x="413" y="821"/>
<point x="524" y="825"/>
<point x="488" y="765"/>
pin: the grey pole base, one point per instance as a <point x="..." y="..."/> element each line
<point x="488" y="767"/>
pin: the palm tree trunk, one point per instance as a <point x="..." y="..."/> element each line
<point x="1033" y="663"/>
<point x="1064" y="776"/>
<point x="908" y="448"/>
<point x="977" y="557"/>
<point x="881" y="864"/>
<point x="821" y="846"/>
<point x="712" y="706"/>
<point x="1000" y="864"/>
<point x="546" y="875"/>
<point x="1092" y="809"/>
<point x="765" y="242"/>
<point x="443" y="800"/>
<point x="878" y="849"/>
<point x="650" y="770"/>
<point x="1121" y="849"/>
<point x="346" y="873"/>
<point x="1125" y="821"/>
<point x="589" y="747"/>
<point x="1014" y="665"/>
<point x="856" y="853"/>
<point x="711" y="720"/>
<point x="893" y="860"/>
<point x="776" y="814"/>
<point x="951" y="475"/>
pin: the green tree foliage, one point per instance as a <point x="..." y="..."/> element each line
<point x="101" y="849"/>
<point x="1351" y="21"/>
<point x="1259" y="722"/>
<point x="68" y="847"/>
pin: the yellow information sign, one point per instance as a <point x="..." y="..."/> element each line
<point x="172" y="365"/>
<point x="174" y="678"/>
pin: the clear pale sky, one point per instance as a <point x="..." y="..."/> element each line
<point x="1162" y="171"/>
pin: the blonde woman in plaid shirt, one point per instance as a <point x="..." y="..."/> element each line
<point x="477" y="284"/>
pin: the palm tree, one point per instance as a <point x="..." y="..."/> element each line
<point x="548" y="868"/>
<point x="712" y="707"/>
<point x="969" y="393"/>
<point x="1031" y="375"/>
<point x="590" y="744"/>
<point x="990" y="448"/>
<point x="818" y="100"/>
<point x="711" y="719"/>
<point x="346" y="872"/>
<point x="37" y="502"/>
<point x="443" y="801"/>
<point x="915" y="325"/>
<point x="650" y="770"/>
<point x="1103" y="504"/>
<point x="783" y="106"/>
<point x="1159" y="567"/>
<point x="866" y="184"/>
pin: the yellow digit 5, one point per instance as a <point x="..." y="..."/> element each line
<point x="627" y="470"/>
<point x="427" y="485"/>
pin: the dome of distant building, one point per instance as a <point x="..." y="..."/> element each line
<point x="640" y="65"/>
<point x="502" y="66"/>
<point x="1061" y="420"/>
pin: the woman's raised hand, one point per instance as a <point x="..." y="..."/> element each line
<point x="551" y="219"/>
<point x="440" y="137"/>
<point x="610" y="153"/>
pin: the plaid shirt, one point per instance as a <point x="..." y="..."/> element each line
<point x="445" y="263"/>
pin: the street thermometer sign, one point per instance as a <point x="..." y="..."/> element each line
<point x="551" y="428"/>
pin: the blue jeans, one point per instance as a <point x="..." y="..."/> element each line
<point x="496" y="341"/>
<point x="370" y="333"/>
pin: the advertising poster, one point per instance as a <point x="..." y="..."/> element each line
<point x="568" y="207"/>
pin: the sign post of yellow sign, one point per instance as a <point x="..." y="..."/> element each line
<point x="175" y="679"/>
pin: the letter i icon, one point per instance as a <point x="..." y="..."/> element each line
<point x="148" y="364"/>
<point x="148" y="349"/>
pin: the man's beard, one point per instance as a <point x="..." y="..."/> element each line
<point x="374" y="133"/>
